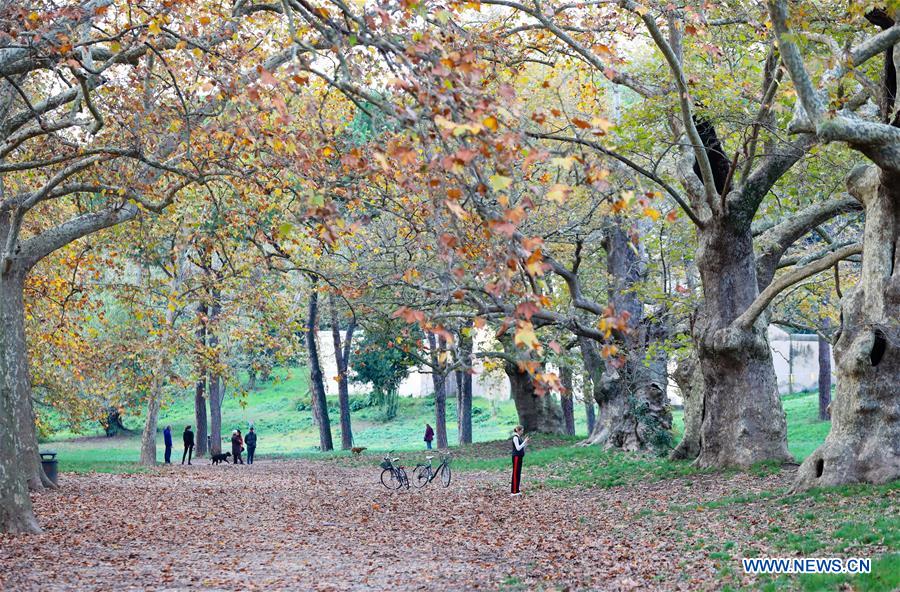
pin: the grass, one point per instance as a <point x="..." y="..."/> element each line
<point x="282" y="417"/>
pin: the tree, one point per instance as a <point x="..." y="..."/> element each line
<point x="382" y="358"/>
<point x="864" y="442"/>
<point x="342" y="349"/>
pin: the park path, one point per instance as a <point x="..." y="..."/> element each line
<point x="311" y="525"/>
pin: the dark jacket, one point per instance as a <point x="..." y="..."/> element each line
<point x="167" y="437"/>
<point x="188" y="438"/>
<point x="429" y="434"/>
<point x="235" y="445"/>
<point x="517" y="440"/>
<point x="250" y="439"/>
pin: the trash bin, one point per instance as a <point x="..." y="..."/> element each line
<point x="50" y="465"/>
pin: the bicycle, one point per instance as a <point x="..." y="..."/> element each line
<point x="393" y="476"/>
<point x="426" y="473"/>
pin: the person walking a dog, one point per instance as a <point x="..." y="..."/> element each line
<point x="429" y="435"/>
<point x="518" y="455"/>
<point x="251" y="445"/>
<point x="236" y="445"/>
<point x="188" y="439"/>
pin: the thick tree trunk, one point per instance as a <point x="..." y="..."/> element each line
<point x="631" y="394"/>
<point x="824" y="378"/>
<point x="148" y="436"/>
<point x="19" y="380"/>
<point x="214" y="380"/>
<point x="863" y="445"/>
<point x="437" y="348"/>
<point x="567" y="399"/>
<point x="112" y="422"/>
<point x="464" y="392"/>
<point x="216" y="396"/>
<point x="16" y="513"/>
<point x="587" y="392"/>
<point x="316" y="382"/>
<point x="341" y="358"/>
<point x="201" y="427"/>
<point x="536" y="413"/>
<point x="689" y="379"/>
<point x="743" y="421"/>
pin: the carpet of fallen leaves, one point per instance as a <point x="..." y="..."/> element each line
<point x="308" y="525"/>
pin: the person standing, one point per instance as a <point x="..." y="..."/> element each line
<point x="518" y="455"/>
<point x="251" y="445"/>
<point x="236" y="444"/>
<point x="429" y="436"/>
<point x="188" y="438"/>
<point x="167" y="440"/>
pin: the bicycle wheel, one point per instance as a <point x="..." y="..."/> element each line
<point x="390" y="479"/>
<point x="421" y="475"/>
<point x="445" y="475"/>
<point x="404" y="478"/>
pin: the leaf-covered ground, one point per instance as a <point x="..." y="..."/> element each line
<point x="311" y="525"/>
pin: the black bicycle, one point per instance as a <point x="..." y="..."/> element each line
<point x="393" y="476"/>
<point x="426" y="473"/>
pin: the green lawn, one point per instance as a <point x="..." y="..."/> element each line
<point x="280" y="411"/>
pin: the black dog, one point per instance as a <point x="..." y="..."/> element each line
<point x="218" y="458"/>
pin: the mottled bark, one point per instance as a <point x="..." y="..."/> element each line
<point x="689" y="379"/>
<point x="19" y="380"/>
<point x="214" y="380"/>
<point x="437" y="347"/>
<point x="536" y="413"/>
<point x="216" y="396"/>
<point x="864" y="442"/>
<point x="589" y="409"/>
<point x="743" y="421"/>
<point x="16" y="513"/>
<point x="201" y="428"/>
<point x="630" y="392"/>
<point x="567" y="400"/>
<point x="824" y="378"/>
<point x="342" y="359"/>
<point x="316" y="382"/>
<point x="464" y="390"/>
<point x="148" y="436"/>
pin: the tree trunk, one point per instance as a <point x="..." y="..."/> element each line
<point x="567" y="399"/>
<point x="743" y="422"/>
<point x="148" y="436"/>
<point x="587" y="394"/>
<point x="341" y="355"/>
<point x="251" y="380"/>
<point x="216" y="396"/>
<point x="863" y="445"/>
<point x="464" y="382"/>
<point x="316" y="383"/>
<point x="824" y="378"/>
<point x="112" y="422"/>
<point x="437" y="348"/>
<point x="19" y="381"/>
<point x="214" y="380"/>
<point x="200" y="448"/>
<point x="630" y="392"/>
<point x="690" y="382"/>
<point x="536" y="413"/>
<point x="16" y="513"/>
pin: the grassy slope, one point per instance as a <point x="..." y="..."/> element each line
<point x="283" y="420"/>
<point x="284" y="423"/>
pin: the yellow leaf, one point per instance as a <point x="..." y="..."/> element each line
<point x="526" y="337"/>
<point x="491" y="123"/>
<point x="154" y="28"/>
<point x="558" y="193"/>
<point x="499" y="182"/>
<point x="204" y="20"/>
<point x="652" y="213"/>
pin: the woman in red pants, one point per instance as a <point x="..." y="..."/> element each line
<point x="518" y="455"/>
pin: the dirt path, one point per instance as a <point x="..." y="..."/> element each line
<point x="306" y="525"/>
